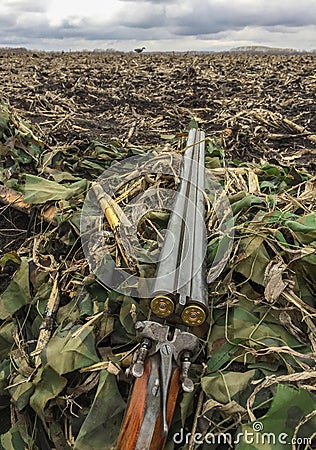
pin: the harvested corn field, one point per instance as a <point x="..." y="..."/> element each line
<point x="259" y="105"/>
<point x="66" y="339"/>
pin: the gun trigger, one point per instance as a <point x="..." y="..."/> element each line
<point x="166" y="353"/>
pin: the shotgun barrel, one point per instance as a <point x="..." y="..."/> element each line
<point x="180" y="277"/>
<point x="179" y="302"/>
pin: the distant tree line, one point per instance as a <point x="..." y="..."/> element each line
<point x="253" y="49"/>
<point x="14" y="49"/>
<point x="270" y="50"/>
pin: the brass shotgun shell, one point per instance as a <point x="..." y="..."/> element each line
<point x="162" y="306"/>
<point x="193" y="315"/>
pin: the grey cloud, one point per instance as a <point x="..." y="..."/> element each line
<point x="282" y="29"/>
<point x="157" y="20"/>
<point x="157" y="2"/>
<point x="213" y="17"/>
<point x="7" y="21"/>
<point x="150" y="16"/>
<point x="75" y="28"/>
<point x="19" y="20"/>
<point x="92" y="32"/>
<point x="34" y="6"/>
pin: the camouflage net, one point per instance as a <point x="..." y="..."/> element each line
<point x="65" y="339"/>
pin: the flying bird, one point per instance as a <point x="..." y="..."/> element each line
<point x="139" y="50"/>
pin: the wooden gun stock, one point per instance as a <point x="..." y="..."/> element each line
<point x="144" y="411"/>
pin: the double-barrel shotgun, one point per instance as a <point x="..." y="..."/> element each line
<point x="178" y="306"/>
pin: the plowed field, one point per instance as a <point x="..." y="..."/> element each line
<point x="259" y="105"/>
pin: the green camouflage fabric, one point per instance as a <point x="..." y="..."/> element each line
<point x="62" y="382"/>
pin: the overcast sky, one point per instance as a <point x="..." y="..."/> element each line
<point x="157" y="24"/>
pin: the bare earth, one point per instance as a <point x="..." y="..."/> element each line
<point x="258" y="105"/>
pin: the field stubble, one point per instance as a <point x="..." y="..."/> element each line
<point x="63" y="350"/>
<point x="260" y="106"/>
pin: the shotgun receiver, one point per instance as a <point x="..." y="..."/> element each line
<point x="179" y="303"/>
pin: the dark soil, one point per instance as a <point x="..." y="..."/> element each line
<point x="74" y="98"/>
<point x="13" y="232"/>
<point x="13" y="228"/>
